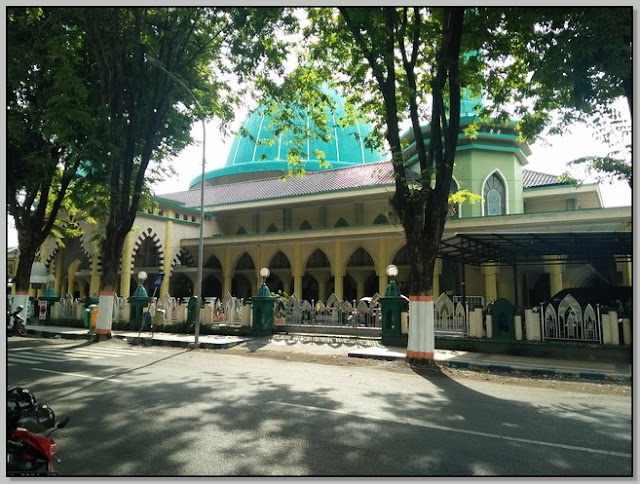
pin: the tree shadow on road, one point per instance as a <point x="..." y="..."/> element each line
<point x="229" y="416"/>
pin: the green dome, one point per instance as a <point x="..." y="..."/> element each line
<point x="262" y="155"/>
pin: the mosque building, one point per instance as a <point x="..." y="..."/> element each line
<point x="334" y="231"/>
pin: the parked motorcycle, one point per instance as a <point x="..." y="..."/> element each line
<point x="15" y="323"/>
<point x="28" y="452"/>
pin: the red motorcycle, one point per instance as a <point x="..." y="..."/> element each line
<point x="29" y="453"/>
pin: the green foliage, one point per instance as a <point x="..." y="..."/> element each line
<point x="99" y="98"/>
<point x="605" y="167"/>
<point x="551" y="67"/>
<point x="463" y="196"/>
<point x="49" y="127"/>
<point x="152" y="72"/>
<point x="396" y="65"/>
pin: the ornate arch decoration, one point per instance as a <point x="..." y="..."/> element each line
<point x="50" y="262"/>
<point x="88" y="252"/>
<point x="182" y="258"/>
<point x="148" y="234"/>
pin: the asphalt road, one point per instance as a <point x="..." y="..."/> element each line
<point x="161" y="411"/>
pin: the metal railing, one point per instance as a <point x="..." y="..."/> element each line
<point x="357" y="314"/>
<point x="451" y="317"/>
<point x="570" y="322"/>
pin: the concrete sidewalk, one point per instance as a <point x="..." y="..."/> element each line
<point x="367" y="348"/>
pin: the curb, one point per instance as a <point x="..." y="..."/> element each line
<point x="51" y="334"/>
<point x="539" y="372"/>
<point x="535" y="372"/>
<point x="142" y="340"/>
<point x="135" y="340"/>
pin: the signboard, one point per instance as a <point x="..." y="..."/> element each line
<point x="42" y="310"/>
<point x="157" y="281"/>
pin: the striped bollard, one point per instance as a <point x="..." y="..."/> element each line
<point x="421" y="343"/>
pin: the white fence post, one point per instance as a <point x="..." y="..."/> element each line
<point x="606" y="331"/>
<point x="532" y="325"/>
<point x="517" y="321"/>
<point x="613" y="327"/>
<point x="626" y="331"/>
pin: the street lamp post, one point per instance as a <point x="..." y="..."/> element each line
<point x="155" y="62"/>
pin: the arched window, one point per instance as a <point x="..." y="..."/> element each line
<point x="454" y="208"/>
<point x="272" y="228"/>
<point x="245" y="262"/>
<point x="318" y="259"/>
<point x="360" y="258"/>
<point x="341" y="223"/>
<point x="241" y="231"/>
<point x="494" y="196"/>
<point x="380" y="220"/>
<point x="279" y="261"/>
<point x="305" y="226"/>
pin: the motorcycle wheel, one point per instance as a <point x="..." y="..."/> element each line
<point x="22" y="330"/>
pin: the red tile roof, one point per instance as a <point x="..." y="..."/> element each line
<point x="326" y="181"/>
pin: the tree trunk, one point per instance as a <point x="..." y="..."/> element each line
<point x="28" y="250"/>
<point x="426" y="211"/>
<point x="111" y="262"/>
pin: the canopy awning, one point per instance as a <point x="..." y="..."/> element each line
<point x="535" y="248"/>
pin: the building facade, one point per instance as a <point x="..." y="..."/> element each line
<point x="334" y="230"/>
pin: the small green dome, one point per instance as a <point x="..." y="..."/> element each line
<point x="263" y="291"/>
<point x="392" y="290"/>
<point x="261" y="155"/>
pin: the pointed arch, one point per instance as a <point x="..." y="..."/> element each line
<point x="50" y="262"/>
<point x="495" y="194"/>
<point x="86" y="246"/>
<point x="341" y="223"/>
<point x="241" y="230"/>
<point x="245" y="262"/>
<point x="279" y="261"/>
<point x="182" y="259"/>
<point x="155" y="256"/>
<point x="317" y="259"/>
<point x="271" y="228"/>
<point x="305" y="226"/>
<point x="213" y="263"/>
<point x="361" y="257"/>
<point x="380" y="220"/>
<point x="401" y="257"/>
<point x="454" y="208"/>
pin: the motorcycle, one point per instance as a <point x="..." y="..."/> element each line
<point x="29" y="453"/>
<point x="15" y="323"/>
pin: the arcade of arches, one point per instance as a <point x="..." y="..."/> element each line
<point x="313" y="270"/>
